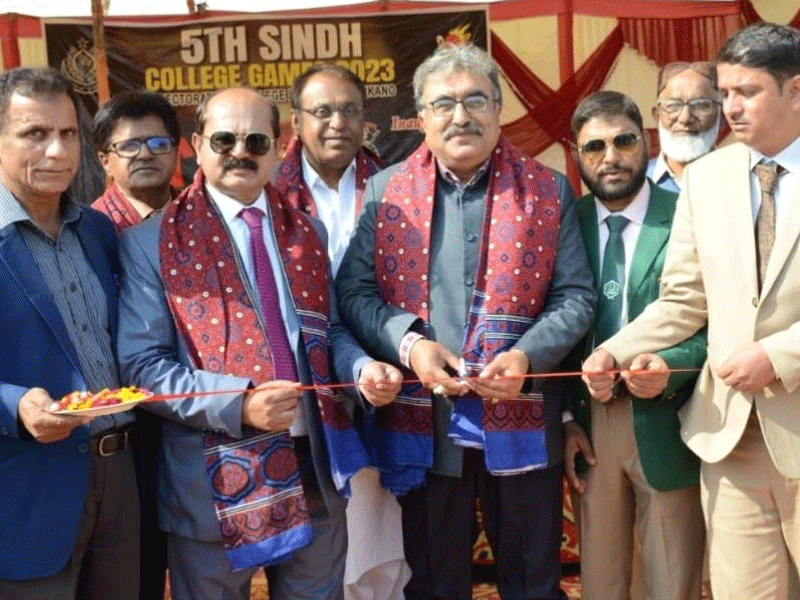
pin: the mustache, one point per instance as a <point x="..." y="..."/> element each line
<point x="239" y="163"/>
<point x="468" y="129"/>
<point x="613" y="168"/>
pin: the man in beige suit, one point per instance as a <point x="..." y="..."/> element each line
<point x="743" y="419"/>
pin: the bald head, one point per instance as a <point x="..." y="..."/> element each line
<point x="240" y="92"/>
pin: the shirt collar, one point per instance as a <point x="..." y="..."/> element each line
<point x="788" y="158"/>
<point x="452" y="178"/>
<point x="661" y="170"/>
<point x="634" y="212"/>
<point x="313" y="179"/>
<point x="230" y="208"/>
<point x="11" y="211"/>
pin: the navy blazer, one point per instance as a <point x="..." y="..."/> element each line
<point x="43" y="486"/>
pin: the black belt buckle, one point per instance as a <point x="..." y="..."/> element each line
<point x="109" y="444"/>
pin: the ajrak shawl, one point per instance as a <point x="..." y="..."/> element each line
<point x="291" y="186"/>
<point x="517" y="256"/>
<point x="114" y="204"/>
<point x="254" y="480"/>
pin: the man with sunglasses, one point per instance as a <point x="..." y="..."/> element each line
<point x="641" y="479"/>
<point x="467" y="262"/>
<point x="136" y="134"/>
<point x="323" y="172"/>
<point x="733" y="265"/>
<point x="226" y="298"/>
<point x="688" y="116"/>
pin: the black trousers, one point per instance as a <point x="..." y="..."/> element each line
<point x="522" y="515"/>
<point x="153" y="541"/>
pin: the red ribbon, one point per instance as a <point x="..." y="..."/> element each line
<point x="180" y="396"/>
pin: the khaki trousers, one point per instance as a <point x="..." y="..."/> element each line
<point x="753" y="520"/>
<point x="619" y="504"/>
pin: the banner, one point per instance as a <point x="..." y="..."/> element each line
<point x="188" y="60"/>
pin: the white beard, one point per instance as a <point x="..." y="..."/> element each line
<point x="684" y="148"/>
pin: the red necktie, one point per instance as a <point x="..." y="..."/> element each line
<point x="282" y="357"/>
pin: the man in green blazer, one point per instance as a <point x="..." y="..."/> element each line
<point x="641" y="479"/>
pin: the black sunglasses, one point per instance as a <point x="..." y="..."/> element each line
<point x="223" y="142"/>
<point x="624" y="142"/>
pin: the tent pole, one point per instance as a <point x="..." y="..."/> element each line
<point x="100" y="56"/>
<point x="10" y="41"/>
<point x="566" y="64"/>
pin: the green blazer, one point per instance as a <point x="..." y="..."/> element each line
<point x="667" y="462"/>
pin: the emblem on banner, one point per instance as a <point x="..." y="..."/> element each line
<point x="455" y="37"/>
<point x="611" y="290"/>
<point x="371" y="133"/>
<point x="79" y="67"/>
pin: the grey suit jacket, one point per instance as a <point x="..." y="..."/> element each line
<point x="153" y="355"/>
<point x="564" y="320"/>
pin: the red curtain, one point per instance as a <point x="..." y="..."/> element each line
<point x="668" y="40"/>
<point x="688" y="31"/>
<point x="548" y="118"/>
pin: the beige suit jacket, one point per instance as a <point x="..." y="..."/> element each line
<point x="710" y="277"/>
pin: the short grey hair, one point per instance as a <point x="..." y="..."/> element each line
<point x="461" y="57"/>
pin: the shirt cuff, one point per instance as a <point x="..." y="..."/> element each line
<point x="408" y="340"/>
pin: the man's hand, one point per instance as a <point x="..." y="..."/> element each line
<point x="596" y="376"/>
<point x="647" y="376"/>
<point x="34" y="412"/>
<point x="576" y="442"/>
<point x="748" y="369"/>
<point x="429" y="360"/>
<point x="379" y="382"/>
<point x="502" y="379"/>
<point x="271" y="405"/>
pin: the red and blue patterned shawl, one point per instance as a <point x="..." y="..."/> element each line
<point x="114" y="205"/>
<point x="255" y="482"/>
<point x="518" y="249"/>
<point x="291" y="186"/>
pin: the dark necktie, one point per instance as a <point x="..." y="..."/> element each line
<point x="612" y="281"/>
<point x="767" y="174"/>
<point x="282" y="358"/>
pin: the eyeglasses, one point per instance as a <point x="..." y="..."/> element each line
<point x="700" y="107"/>
<point x="325" y="112"/>
<point x="445" y="107"/>
<point x="157" y="144"/>
<point x="223" y="142"/>
<point x="625" y="143"/>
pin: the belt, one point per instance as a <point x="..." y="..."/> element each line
<point x="112" y="442"/>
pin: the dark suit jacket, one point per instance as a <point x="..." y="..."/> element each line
<point x="379" y="327"/>
<point x="43" y="486"/>
<point x="666" y="461"/>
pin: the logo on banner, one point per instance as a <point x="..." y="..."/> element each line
<point x="79" y="67"/>
<point x="455" y="37"/>
<point x="371" y="133"/>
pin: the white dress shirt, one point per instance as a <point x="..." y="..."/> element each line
<point x="335" y="208"/>
<point x="634" y="212"/>
<point x="786" y="184"/>
<point x="230" y="210"/>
